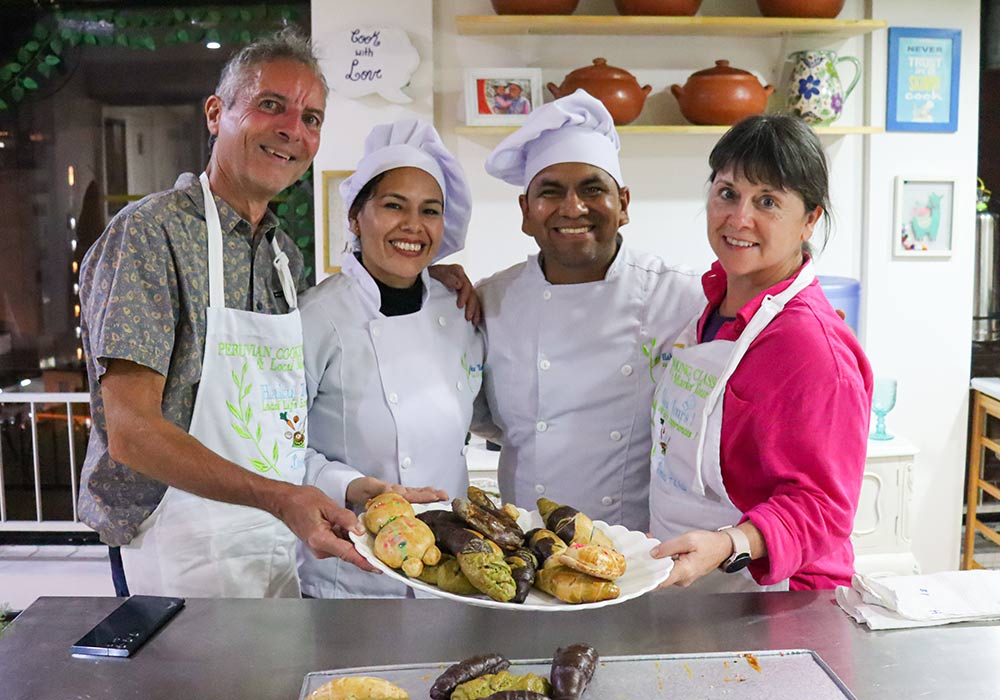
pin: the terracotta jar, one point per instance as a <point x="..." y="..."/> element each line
<point x="615" y="87"/>
<point x="721" y="96"/>
<point x="534" y="7"/>
<point x="823" y="9"/>
<point x="657" y="7"/>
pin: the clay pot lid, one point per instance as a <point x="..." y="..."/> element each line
<point x="722" y="69"/>
<point x="600" y="71"/>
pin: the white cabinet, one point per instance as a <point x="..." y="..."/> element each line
<point x="881" y="534"/>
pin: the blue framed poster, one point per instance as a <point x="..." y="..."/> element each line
<point x="923" y="79"/>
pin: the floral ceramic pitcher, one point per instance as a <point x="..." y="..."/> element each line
<point x="815" y="92"/>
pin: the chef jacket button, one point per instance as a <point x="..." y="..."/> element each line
<point x="546" y="295"/>
<point x="458" y="385"/>
<point x="615" y="435"/>
<point x="539" y="488"/>
<point x="626" y="370"/>
<point x="544" y="364"/>
<point x="393" y="397"/>
<point x="376" y="331"/>
<point x="442" y="321"/>
<point x="406" y="462"/>
<point x="465" y="450"/>
<point x="607" y="501"/>
<point x="541" y="426"/>
<point x="260" y="306"/>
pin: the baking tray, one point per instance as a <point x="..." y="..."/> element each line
<point x="790" y="674"/>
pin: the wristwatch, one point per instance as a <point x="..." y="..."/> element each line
<point x="741" y="550"/>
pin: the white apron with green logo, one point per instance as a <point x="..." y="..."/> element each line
<point x="686" y="488"/>
<point x="250" y="409"/>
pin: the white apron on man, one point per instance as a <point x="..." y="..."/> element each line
<point x="686" y="487"/>
<point x="251" y="410"/>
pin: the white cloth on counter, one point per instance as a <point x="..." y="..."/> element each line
<point x="897" y="602"/>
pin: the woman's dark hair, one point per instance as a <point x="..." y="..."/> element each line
<point x="781" y="151"/>
<point x="364" y="194"/>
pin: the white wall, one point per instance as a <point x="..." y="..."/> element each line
<point x="348" y="121"/>
<point x="917" y="314"/>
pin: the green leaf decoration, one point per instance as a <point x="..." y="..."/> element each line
<point x="179" y="15"/>
<point x="5" y="74"/>
<point x="14" y="67"/>
<point x="246" y="37"/>
<point x="302" y="241"/>
<point x="302" y="209"/>
<point x="245" y="15"/>
<point x="106" y="40"/>
<point x="274" y="452"/>
<point x="241" y="431"/>
<point x="249" y="413"/>
<point x="122" y="40"/>
<point x="259" y="465"/>
<point x="3" y="105"/>
<point x="233" y="410"/>
<point x="213" y="16"/>
<point x="56" y="45"/>
<point x="183" y="36"/>
<point x="52" y="60"/>
<point x="40" y="32"/>
<point x="32" y="46"/>
<point x="260" y="432"/>
<point x="23" y="56"/>
<point x="197" y="15"/>
<point x="148" y="42"/>
<point x="213" y="35"/>
<point x="90" y="40"/>
<point x="45" y="70"/>
<point x="17" y="93"/>
<point x="283" y="209"/>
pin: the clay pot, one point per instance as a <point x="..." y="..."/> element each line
<point x="534" y="7"/>
<point x="824" y="9"/>
<point x="657" y="7"/>
<point x="721" y="96"/>
<point x="615" y="87"/>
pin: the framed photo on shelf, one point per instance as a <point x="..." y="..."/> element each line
<point x="334" y="220"/>
<point x="501" y="96"/>
<point x="923" y="79"/>
<point x="924" y="217"/>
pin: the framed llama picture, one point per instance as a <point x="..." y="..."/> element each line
<point x="923" y="222"/>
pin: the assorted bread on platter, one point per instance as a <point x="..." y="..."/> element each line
<point x="478" y="547"/>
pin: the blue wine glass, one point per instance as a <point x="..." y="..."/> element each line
<point x="883" y="400"/>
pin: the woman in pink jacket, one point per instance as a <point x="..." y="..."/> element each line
<point x="760" y="419"/>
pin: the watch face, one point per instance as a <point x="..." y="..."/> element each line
<point x="738" y="562"/>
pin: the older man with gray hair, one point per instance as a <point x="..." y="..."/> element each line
<point x="194" y="353"/>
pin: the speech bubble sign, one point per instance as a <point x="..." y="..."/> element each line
<point x="369" y="60"/>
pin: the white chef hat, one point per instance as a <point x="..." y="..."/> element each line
<point x="574" y="129"/>
<point x="415" y="143"/>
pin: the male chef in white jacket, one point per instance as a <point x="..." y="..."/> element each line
<point x="577" y="334"/>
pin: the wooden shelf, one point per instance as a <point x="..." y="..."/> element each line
<point x="672" y="26"/>
<point x="674" y="129"/>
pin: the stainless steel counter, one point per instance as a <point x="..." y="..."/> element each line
<point x="252" y="649"/>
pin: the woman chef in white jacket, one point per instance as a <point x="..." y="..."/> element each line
<point x="392" y="366"/>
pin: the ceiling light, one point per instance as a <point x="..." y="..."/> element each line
<point x="213" y="45"/>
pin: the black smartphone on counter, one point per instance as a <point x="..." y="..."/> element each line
<point x="128" y="626"/>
